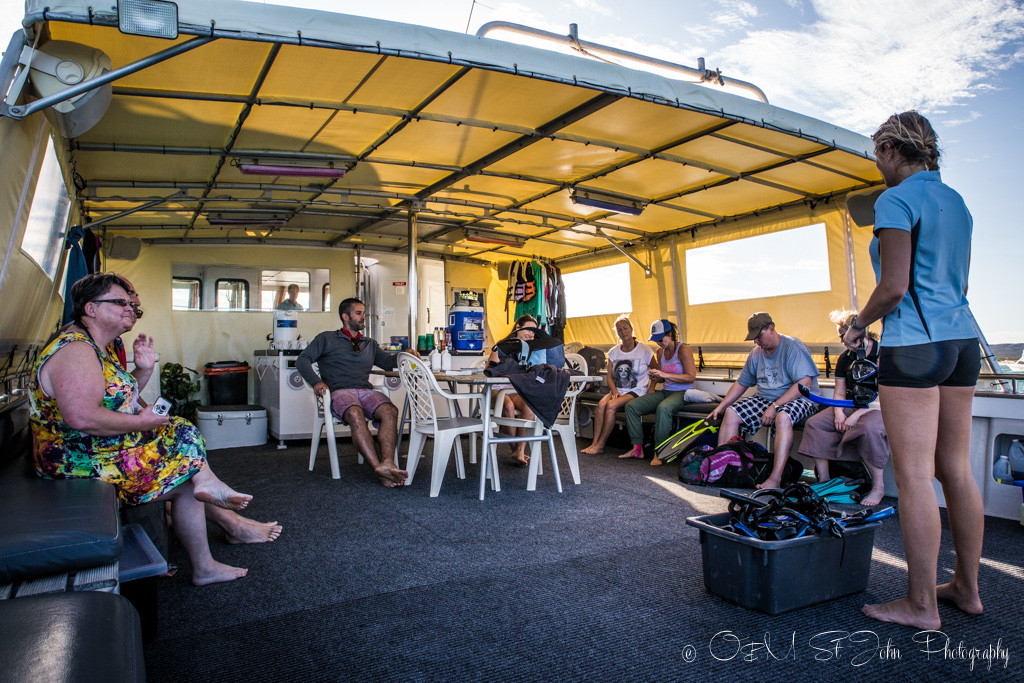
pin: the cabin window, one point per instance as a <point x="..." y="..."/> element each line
<point x="186" y="294"/>
<point x="598" y="291"/>
<point x="779" y="264"/>
<point x="326" y="294"/>
<point x="48" y="216"/>
<point x="232" y="295"/>
<point x="274" y="287"/>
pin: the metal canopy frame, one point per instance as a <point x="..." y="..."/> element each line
<point x="467" y="149"/>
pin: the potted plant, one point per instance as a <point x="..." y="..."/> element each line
<point x="178" y="387"/>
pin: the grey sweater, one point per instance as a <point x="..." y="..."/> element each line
<point x="341" y="366"/>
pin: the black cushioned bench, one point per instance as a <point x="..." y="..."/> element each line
<point x="85" y="636"/>
<point x="60" y="544"/>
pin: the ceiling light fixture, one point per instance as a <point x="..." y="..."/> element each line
<point x="246" y="219"/>
<point x="282" y="169"/>
<point x="608" y="202"/>
<point x="494" y="238"/>
<point x="154" y="18"/>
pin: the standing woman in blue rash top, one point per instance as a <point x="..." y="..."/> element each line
<point x="928" y="366"/>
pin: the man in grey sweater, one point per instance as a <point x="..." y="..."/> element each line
<point x="345" y="358"/>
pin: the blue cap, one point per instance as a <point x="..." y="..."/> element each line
<point x="659" y="328"/>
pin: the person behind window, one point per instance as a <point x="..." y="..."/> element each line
<point x="675" y="370"/>
<point x="292" y="302"/>
<point x="627" y="377"/>
<point x="87" y="422"/>
<point x="849" y="434"/>
<point x="928" y="366"/>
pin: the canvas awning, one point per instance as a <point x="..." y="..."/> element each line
<point x="484" y="139"/>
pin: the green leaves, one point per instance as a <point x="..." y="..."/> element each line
<point x="178" y="387"/>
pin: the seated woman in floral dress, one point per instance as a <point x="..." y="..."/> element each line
<point x="86" y="422"/>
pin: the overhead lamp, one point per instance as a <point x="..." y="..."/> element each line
<point x="282" y="169"/>
<point x="493" y="238"/>
<point x="154" y="18"/>
<point x="607" y="202"/>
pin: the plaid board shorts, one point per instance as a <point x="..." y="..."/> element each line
<point x="368" y="399"/>
<point x="752" y="409"/>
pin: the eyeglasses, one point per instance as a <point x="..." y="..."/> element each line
<point x="120" y="302"/>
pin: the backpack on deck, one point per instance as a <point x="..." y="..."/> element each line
<point x="737" y="464"/>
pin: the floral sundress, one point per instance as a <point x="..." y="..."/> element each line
<point x="141" y="465"/>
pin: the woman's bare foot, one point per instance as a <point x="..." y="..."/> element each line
<point x="874" y="497"/>
<point x="634" y="452"/>
<point x="390" y="475"/>
<point x="593" y="449"/>
<point x="655" y="461"/>
<point x="217" y="572"/>
<point x="251" y="531"/>
<point x="902" y="612"/>
<point x="966" y="599"/>
<point x="770" y="484"/>
<point x="220" y="494"/>
<point x="520" y="458"/>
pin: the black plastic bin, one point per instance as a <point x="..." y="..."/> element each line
<point x="776" y="576"/>
<point x="228" y="382"/>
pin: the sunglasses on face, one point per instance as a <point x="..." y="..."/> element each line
<point x="120" y="302"/>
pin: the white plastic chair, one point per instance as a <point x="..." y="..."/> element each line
<point x="564" y="426"/>
<point x="324" y="421"/>
<point x="421" y="387"/>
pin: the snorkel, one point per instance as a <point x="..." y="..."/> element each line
<point x="864" y="380"/>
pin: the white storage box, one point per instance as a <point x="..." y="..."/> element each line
<point x="232" y="426"/>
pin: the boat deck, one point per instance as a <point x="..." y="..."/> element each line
<point x="601" y="582"/>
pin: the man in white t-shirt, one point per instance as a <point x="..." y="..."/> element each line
<point x="776" y="366"/>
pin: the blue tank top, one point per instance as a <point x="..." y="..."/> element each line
<point x="674" y="366"/>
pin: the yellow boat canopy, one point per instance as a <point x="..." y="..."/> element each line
<point x="486" y="141"/>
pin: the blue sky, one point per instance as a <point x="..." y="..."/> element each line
<point x="849" y="62"/>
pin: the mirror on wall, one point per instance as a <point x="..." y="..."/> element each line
<point x="197" y="287"/>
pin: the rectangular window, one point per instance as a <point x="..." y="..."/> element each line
<point x="48" y="215"/>
<point x="186" y="294"/>
<point x="275" y="285"/>
<point x="779" y="264"/>
<point x="598" y="291"/>
<point x="326" y="293"/>
<point x="232" y="295"/>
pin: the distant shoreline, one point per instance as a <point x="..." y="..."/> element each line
<point x="1009" y="352"/>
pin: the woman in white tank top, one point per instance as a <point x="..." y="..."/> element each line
<point x="628" y="368"/>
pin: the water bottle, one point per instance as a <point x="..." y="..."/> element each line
<point x="446" y="360"/>
<point x="1016" y="458"/>
<point x="1001" y="470"/>
<point x="435" y="365"/>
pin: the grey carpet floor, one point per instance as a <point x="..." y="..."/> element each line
<point x="601" y="582"/>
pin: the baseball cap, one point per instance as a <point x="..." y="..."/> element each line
<point x="756" y="323"/>
<point x="659" y="328"/>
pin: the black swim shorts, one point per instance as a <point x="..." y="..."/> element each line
<point x="954" y="363"/>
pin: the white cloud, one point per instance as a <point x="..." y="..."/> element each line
<point x="593" y="6"/>
<point x="734" y="14"/>
<point x="864" y="59"/>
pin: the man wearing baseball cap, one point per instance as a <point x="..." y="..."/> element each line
<point x="776" y="366"/>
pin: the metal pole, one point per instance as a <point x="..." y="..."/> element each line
<point x="411" y="280"/>
<point x="680" y="318"/>
<point x="987" y="354"/>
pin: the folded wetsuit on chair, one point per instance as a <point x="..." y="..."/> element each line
<point x="542" y="387"/>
